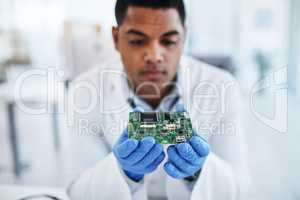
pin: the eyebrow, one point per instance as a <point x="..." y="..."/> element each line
<point x="171" y="33"/>
<point x="135" y="32"/>
<point x="139" y="33"/>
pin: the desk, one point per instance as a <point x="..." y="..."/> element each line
<point x="14" y="192"/>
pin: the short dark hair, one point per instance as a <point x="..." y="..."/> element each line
<point x="123" y="5"/>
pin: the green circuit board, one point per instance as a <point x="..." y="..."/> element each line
<point x="164" y="127"/>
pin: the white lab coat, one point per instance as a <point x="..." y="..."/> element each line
<point x="224" y="175"/>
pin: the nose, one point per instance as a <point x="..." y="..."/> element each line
<point x="154" y="54"/>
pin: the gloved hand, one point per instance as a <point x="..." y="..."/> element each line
<point x="138" y="158"/>
<point x="185" y="159"/>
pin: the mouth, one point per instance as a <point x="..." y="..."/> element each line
<point x="154" y="75"/>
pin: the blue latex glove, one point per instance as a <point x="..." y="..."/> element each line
<point x="138" y="158"/>
<point x="185" y="159"/>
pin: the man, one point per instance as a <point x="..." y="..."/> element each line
<point x="150" y="39"/>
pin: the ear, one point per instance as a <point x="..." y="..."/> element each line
<point x="115" y="35"/>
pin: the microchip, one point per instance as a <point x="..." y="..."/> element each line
<point x="180" y="139"/>
<point x="149" y="117"/>
<point x="167" y="116"/>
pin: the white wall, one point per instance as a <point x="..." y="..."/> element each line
<point x="211" y="26"/>
<point x="43" y="34"/>
<point x="5" y="9"/>
<point x="100" y="11"/>
<point x="264" y="26"/>
<point x="38" y="23"/>
<point x="294" y="59"/>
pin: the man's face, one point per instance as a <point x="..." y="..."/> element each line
<point x="150" y="42"/>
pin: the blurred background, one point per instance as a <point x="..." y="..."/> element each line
<point x="252" y="39"/>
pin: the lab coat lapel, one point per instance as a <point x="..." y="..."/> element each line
<point x="116" y="108"/>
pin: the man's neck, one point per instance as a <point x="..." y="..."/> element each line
<point x="151" y="97"/>
<point x="155" y="101"/>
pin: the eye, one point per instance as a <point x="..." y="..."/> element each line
<point x="168" y="43"/>
<point x="137" y="42"/>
